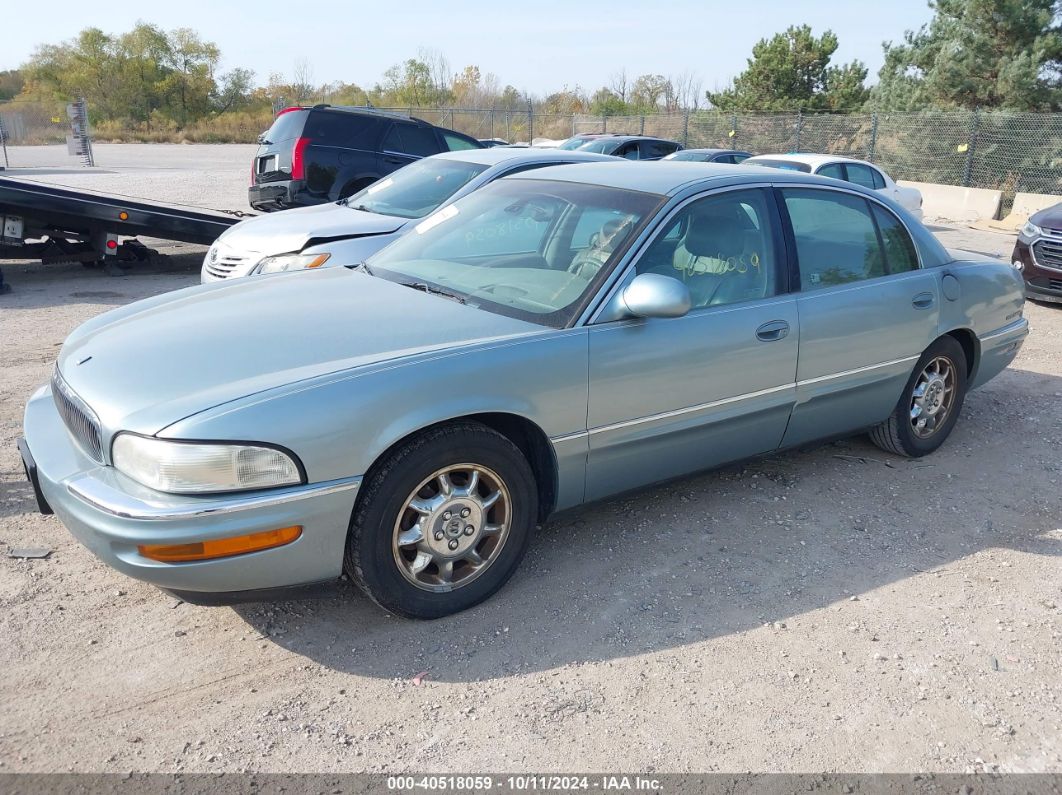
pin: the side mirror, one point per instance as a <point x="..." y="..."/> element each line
<point x="654" y="295"/>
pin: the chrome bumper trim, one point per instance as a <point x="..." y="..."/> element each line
<point x="117" y="503"/>
<point x="1021" y="324"/>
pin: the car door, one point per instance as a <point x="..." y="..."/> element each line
<point x="867" y="310"/>
<point x="676" y="395"/>
<point x="404" y="143"/>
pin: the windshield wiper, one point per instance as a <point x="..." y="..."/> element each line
<point x="433" y="290"/>
<point x="363" y="267"/>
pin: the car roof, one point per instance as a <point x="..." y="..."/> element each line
<point x="496" y="155"/>
<point x="710" y="151"/>
<point x="667" y="177"/>
<point x="809" y="159"/>
<point x="627" y="137"/>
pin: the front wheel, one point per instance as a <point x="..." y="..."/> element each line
<point x="930" y="404"/>
<point x="443" y="521"/>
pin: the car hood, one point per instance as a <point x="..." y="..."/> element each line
<point x="1049" y="218"/>
<point x="291" y="230"/>
<point x="155" y="362"/>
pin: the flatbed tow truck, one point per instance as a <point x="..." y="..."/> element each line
<point x="54" y="224"/>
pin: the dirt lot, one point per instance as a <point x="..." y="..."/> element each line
<point x="836" y="609"/>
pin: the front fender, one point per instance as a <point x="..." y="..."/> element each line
<point x="340" y="424"/>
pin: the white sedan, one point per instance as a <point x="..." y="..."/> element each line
<point x="848" y="169"/>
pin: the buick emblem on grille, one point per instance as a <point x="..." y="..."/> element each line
<point x="213" y="255"/>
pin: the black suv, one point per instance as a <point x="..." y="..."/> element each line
<point x="324" y="153"/>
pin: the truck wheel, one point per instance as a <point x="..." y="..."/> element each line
<point x="930" y="405"/>
<point x="442" y="522"/>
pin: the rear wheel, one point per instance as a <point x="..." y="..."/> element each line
<point x="930" y="404"/>
<point x="443" y="521"/>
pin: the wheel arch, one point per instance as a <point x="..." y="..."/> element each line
<point x="528" y="437"/>
<point x="971" y="346"/>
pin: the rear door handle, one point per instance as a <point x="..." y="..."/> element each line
<point x="775" y="330"/>
<point x="394" y="160"/>
<point x="922" y="301"/>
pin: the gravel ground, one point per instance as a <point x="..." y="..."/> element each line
<point x="834" y="609"/>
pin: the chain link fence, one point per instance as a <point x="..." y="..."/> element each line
<point x="1010" y="152"/>
<point x="1005" y="151"/>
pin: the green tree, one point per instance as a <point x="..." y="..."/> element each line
<point x="606" y="102"/>
<point x="11" y="83"/>
<point x="977" y="53"/>
<point x="792" y="70"/>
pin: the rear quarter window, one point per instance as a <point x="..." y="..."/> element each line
<point x="287" y="126"/>
<point x="347" y="130"/>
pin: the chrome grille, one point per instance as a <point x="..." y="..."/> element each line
<point x="1048" y="250"/>
<point x="78" y="417"/>
<point x="222" y="264"/>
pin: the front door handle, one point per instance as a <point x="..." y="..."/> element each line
<point x="922" y="301"/>
<point x="775" y="330"/>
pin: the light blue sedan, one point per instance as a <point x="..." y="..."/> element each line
<point x="554" y="338"/>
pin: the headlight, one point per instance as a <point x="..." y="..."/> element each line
<point x="1031" y="230"/>
<point x="199" y="468"/>
<point x="291" y="262"/>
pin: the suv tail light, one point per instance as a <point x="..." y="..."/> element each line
<point x="297" y="168"/>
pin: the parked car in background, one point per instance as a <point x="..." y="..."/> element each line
<point x="1038" y="255"/>
<point x="630" y="147"/>
<point x="555" y="337"/>
<point x="491" y="142"/>
<point x="570" y="143"/>
<point x="710" y="155"/>
<point x="324" y="153"/>
<point x="858" y="172"/>
<point x="348" y="231"/>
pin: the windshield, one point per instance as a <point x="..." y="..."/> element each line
<point x="574" y="142"/>
<point x="532" y="249"/>
<point x="417" y="189"/>
<point x="785" y="165"/>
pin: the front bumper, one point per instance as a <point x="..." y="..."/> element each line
<point x="1041" y="284"/>
<point x="111" y="515"/>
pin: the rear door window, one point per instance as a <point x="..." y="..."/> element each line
<point x="411" y="139"/>
<point x="656" y="149"/>
<point x="862" y="175"/>
<point x="833" y="170"/>
<point x="836" y="238"/>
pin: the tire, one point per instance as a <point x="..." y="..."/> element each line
<point x="393" y="574"/>
<point x="900" y="433"/>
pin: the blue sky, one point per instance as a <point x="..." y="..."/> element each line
<point x="536" y="45"/>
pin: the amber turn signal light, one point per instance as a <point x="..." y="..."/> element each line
<point x="220" y="547"/>
<point x="123" y="216"/>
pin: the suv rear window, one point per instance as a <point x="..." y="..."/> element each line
<point x="286" y="126"/>
<point x="338" y="128"/>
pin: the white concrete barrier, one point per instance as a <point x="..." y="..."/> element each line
<point x="1025" y="204"/>
<point x="956" y="203"/>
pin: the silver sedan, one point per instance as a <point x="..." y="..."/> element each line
<point x="554" y="338"/>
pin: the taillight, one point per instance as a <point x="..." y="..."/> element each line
<point x="297" y="169"/>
